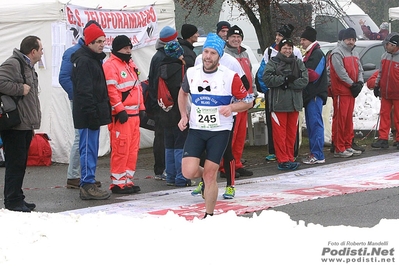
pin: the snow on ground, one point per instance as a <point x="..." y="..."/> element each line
<point x="92" y="239"/>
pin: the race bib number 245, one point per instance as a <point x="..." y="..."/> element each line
<point x="207" y="117"/>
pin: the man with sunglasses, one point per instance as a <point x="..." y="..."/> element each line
<point x="91" y="107"/>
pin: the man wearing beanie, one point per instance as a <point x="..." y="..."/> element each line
<point x="346" y="75"/>
<point x="235" y="37"/>
<point x="284" y="31"/>
<point x="166" y="35"/>
<point x="73" y="174"/>
<point x="314" y="95"/>
<point x="210" y="122"/>
<point x="91" y="107"/>
<point x="222" y="28"/>
<point x="386" y="88"/>
<point x="227" y="168"/>
<point x="126" y="98"/>
<point x="189" y="35"/>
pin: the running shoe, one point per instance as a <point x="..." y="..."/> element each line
<point x="313" y="160"/>
<point x="229" y="193"/>
<point x="290" y="166"/>
<point x="355" y="152"/>
<point x="198" y="190"/>
<point x="270" y="157"/>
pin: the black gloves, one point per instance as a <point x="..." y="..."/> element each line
<point x="290" y="78"/>
<point x="122" y="116"/>
<point x="356" y="88"/>
<point x="94" y="122"/>
<point x="377" y="91"/>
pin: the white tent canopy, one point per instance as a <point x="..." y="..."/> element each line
<point x="393" y="13"/>
<point x="39" y="17"/>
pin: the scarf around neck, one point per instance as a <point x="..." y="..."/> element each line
<point x="283" y="61"/>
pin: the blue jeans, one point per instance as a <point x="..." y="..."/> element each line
<point x="174" y="143"/>
<point x="315" y="127"/>
<point x="88" y="148"/>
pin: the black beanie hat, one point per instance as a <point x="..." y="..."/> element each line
<point x="121" y="41"/>
<point x="340" y="34"/>
<point x="235" y="30"/>
<point x="286" y="30"/>
<point x="188" y="30"/>
<point x="309" y="34"/>
<point x="283" y="42"/>
<point x="222" y="25"/>
<point x="394" y="40"/>
<point x="349" y="33"/>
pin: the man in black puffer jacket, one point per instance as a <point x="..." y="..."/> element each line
<point x="91" y="107"/>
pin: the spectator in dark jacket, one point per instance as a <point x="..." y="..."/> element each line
<point x="91" y="107"/>
<point x="172" y="71"/>
<point x="18" y="82"/>
<point x="166" y="35"/>
<point x="314" y="95"/>
<point x="189" y="35"/>
<point x="73" y="174"/>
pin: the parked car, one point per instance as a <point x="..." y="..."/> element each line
<point x="254" y="61"/>
<point x="370" y="53"/>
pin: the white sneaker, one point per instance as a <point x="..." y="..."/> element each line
<point x="313" y="160"/>
<point x="355" y="152"/>
<point x="344" y="154"/>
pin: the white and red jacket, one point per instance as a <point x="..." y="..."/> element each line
<point x="388" y="77"/>
<point x="122" y="78"/>
<point x="345" y="69"/>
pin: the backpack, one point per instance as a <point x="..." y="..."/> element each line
<point x="257" y="84"/>
<point x="165" y="100"/>
<point x="39" y="151"/>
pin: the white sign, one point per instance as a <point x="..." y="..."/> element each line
<point x="139" y="25"/>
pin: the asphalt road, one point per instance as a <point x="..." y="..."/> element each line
<point x="46" y="187"/>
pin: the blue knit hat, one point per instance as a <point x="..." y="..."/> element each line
<point x="215" y="42"/>
<point x="173" y="49"/>
<point x="167" y="34"/>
